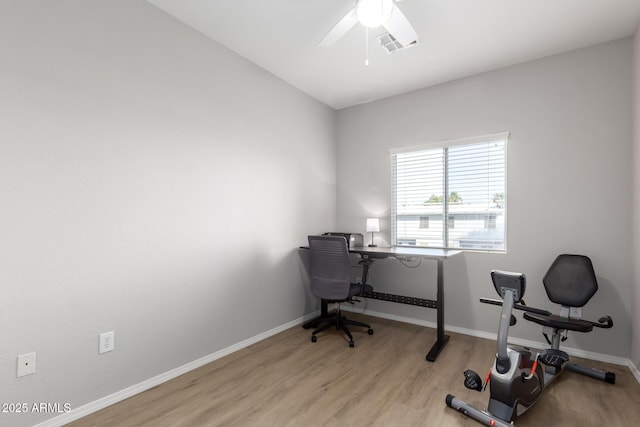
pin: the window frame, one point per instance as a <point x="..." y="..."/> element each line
<point x="444" y="145"/>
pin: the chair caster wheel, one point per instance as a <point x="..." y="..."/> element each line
<point x="314" y="338"/>
<point x="370" y="331"/>
<point x="352" y="344"/>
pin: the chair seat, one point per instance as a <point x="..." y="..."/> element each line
<point x="355" y="290"/>
<point x="559" y="322"/>
<point x="358" y="289"/>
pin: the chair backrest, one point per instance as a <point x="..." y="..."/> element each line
<point x="330" y="267"/>
<point x="570" y="280"/>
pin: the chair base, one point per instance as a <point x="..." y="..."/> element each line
<point x="340" y="322"/>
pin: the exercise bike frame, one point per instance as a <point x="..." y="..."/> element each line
<point x="516" y="379"/>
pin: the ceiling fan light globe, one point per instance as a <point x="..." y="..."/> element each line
<point x="373" y="13"/>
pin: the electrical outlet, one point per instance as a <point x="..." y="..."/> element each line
<point x="26" y="364"/>
<point x="107" y="342"/>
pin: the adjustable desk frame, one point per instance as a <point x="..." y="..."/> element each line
<point x="369" y="254"/>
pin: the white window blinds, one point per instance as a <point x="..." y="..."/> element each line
<point x="472" y="175"/>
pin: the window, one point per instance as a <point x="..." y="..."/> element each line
<point x="471" y="173"/>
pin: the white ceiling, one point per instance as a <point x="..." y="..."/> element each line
<point x="458" y="38"/>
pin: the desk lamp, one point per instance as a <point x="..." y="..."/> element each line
<point x="373" y="225"/>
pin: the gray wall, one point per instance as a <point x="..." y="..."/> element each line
<point x="569" y="175"/>
<point x="635" y="353"/>
<point x="155" y="184"/>
<point x="152" y="183"/>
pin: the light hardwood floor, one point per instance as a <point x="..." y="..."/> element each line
<point x="287" y="380"/>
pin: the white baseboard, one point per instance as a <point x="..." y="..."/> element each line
<point x="634" y="370"/>
<point x="525" y="343"/>
<point x="118" y="396"/>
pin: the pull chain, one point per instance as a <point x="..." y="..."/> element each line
<point x="366" y="59"/>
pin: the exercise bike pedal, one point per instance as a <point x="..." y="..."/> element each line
<point x="553" y="357"/>
<point x="472" y="380"/>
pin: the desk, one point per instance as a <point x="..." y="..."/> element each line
<point x="370" y="254"/>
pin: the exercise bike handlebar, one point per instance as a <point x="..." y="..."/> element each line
<point x="604" y="322"/>
<point x="517" y="306"/>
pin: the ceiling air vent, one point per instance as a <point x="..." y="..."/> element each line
<point x="390" y="45"/>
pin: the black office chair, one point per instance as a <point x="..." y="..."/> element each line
<point x="331" y="282"/>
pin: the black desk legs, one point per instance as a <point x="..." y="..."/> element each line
<point x="438" y="304"/>
<point x="441" y="338"/>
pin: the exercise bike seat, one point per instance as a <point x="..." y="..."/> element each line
<point x="559" y="322"/>
<point x="570" y="282"/>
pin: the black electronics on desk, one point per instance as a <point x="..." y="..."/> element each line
<point x="354" y="240"/>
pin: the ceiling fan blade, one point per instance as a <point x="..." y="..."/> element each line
<point x="340" y="29"/>
<point x="400" y="28"/>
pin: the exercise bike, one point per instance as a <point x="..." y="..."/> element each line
<point x="519" y="375"/>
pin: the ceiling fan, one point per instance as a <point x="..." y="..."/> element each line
<point x="373" y="14"/>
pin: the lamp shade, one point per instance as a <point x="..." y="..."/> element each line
<point x="373" y="13"/>
<point x="373" y="225"/>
